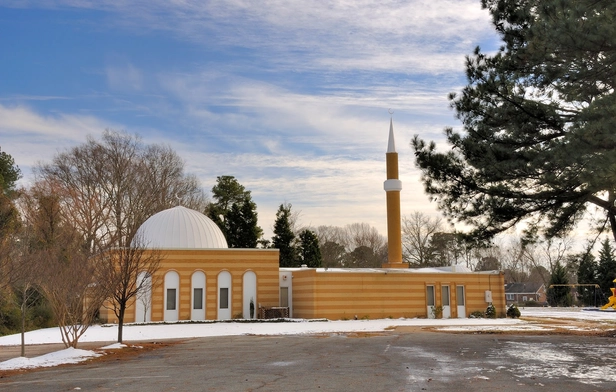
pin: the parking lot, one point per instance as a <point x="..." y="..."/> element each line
<point x="388" y="361"/>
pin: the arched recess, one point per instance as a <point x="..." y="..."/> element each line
<point x="224" y="296"/>
<point x="197" y="302"/>
<point x="250" y="294"/>
<point x="172" y="296"/>
<point x="143" y="301"/>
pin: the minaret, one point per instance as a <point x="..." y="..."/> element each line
<point x="393" y="186"/>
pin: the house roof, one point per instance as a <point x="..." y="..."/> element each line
<point x="523" y="288"/>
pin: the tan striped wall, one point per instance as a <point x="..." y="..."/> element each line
<point x="374" y="294"/>
<point x="264" y="263"/>
<point x="317" y="293"/>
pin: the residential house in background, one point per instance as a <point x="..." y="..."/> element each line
<point x="519" y="293"/>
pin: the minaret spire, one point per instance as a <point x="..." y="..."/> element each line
<point x="392" y="187"/>
<point x="391" y="144"/>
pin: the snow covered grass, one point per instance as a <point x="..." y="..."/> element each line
<point x="69" y="355"/>
<point x="183" y="330"/>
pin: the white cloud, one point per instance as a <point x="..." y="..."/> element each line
<point x="398" y="36"/>
<point x="318" y="142"/>
<point x="31" y="137"/>
<point x="124" y="78"/>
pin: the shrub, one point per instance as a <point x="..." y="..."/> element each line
<point x="513" y="311"/>
<point x="491" y="311"/>
<point x="477" y="314"/>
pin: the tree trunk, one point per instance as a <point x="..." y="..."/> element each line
<point x="612" y="220"/>
<point x="121" y="321"/>
<point x="23" y="329"/>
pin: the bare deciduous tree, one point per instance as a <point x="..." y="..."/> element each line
<point x="112" y="185"/>
<point x="68" y="286"/>
<point x="417" y="232"/>
<point x="107" y="188"/>
<point x="24" y="286"/>
<point x="64" y="268"/>
<point x="354" y="245"/>
<point x="118" y="271"/>
<point x="332" y="241"/>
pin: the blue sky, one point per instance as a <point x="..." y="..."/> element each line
<point x="290" y="97"/>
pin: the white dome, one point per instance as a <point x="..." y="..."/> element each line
<point x="181" y="228"/>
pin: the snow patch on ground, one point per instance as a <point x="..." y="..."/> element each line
<point x="68" y="355"/>
<point x="113" y="346"/>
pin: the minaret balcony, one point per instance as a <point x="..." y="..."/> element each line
<point x="392" y="185"/>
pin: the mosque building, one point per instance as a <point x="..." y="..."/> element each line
<point x="200" y="278"/>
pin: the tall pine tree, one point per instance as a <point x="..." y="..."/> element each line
<point x="284" y="238"/>
<point x="559" y="295"/>
<point x="539" y="115"/>
<point x="235" y="213"/>
<point x="587" y="274"/>
<point x="309" y="250"/>
<point x="606" y="272"/>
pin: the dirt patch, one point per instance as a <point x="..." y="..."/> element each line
<point x="545" y="327"/>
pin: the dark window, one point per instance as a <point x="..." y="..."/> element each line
<point x="445" y="295"/>
<point x="460" y="295"/>
<point x="224" y="298"/>
<point x="198" y="298"/>
<point x="284" y="297"/>
<point x="430" y="295"/>
<point x="170" y="299"/>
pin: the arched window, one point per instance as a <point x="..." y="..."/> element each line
<point x="224" y="296"/>
<point x="197" y="302"/>
<point x="172" y="296"/>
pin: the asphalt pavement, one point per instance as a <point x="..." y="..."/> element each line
<point x="389" y="361"/>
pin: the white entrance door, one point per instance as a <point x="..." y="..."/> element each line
<point x="250" y="295"/>
<point x="445" y="297"/>
<point x="461" y="300"/>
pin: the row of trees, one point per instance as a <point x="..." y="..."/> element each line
<point x="550" y="262"/>
<point x="426" y="243"/>
<point x="356" y="245"/>
<point x="235" y="213"/>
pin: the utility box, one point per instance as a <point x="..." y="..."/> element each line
<point x="488" y="295"/>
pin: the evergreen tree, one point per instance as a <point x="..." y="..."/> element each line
<point x="309" y="250"/>
<point x="333" y="254"/>
<point x="241" y="225"/>
<point x="284" y="238"/>
<point x="363" y="257"/>
<point x="10" y="221"/>
<point x="235" y="213"/>
<point x="559" y="295"/>
<point x="9" y="173"/>
<point x="587" y="274"/>
<point x="539" y="118"/>
<point x="606" y="271"/>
